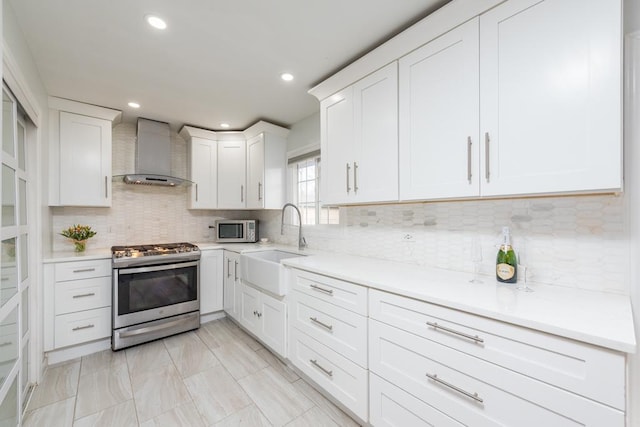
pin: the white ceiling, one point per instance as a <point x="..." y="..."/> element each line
<point x="218" y="61"/>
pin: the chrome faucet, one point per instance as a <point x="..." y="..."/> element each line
<point x="301" y="241"/>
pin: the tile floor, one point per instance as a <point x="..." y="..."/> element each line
<point x="215" y="376"/>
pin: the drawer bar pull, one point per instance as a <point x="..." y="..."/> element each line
<point x="475" y="338"/>
<point x="4" y="344"/>
<point x="473" y="396"/>
<point x="79" y="328"/>
<point x="319" y="289"/>
<point x="324" y="325"/>
<point x="315" y="363"/>
<point x="90" y="294"/>
<point x="84" y="270"/>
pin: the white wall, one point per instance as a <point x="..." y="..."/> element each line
<point x="304" y="135"/>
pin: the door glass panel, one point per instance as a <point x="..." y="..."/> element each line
<point x="8" y="123"/>
<point x="9" y="407"/>
<point x="22" y="201"/>
<point x="8" y="271"/>
<point x="25" y="312"/>
<point x="8" y="196"/>
<point x="8" y="344"/>
<point x="21" y="147"/>
<point x="24" y="257"/>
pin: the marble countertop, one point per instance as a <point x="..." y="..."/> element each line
<point x="599" y="318"/>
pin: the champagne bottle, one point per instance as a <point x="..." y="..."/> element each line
<point x="506" y="262"/>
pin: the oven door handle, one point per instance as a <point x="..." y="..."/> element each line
<point x="158" y="267"/>
<point x="154" y="328"/>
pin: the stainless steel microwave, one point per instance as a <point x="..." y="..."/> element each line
<point x="236" y="230"/>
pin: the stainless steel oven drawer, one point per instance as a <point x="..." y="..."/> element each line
<point x="149" y="331"/>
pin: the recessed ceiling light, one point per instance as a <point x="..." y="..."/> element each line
<point x="287" y="77"/>
<point x="224" y="125"/>
<point x="156" y="22"/>
<point x="133" y="105"/>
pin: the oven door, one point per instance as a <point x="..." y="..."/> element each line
<point x="144" y="294"/>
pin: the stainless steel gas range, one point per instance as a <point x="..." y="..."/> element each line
<point x="156" y="292"/>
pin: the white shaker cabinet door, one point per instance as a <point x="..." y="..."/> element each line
<point x="203" y="172"/>
<point x="255" y="172"/>
<point x="231" y="296"/>
<point x="550" y="91"/>
<point x="231" y="174"/>
<point x="375" y="165"/>
<point x="211" y="281"/>
<point x="85" y="160"/>
<point x="336" y="140"/>
<point x="439" y="117"/>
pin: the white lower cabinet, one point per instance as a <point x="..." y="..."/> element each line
<point x="77" y="302"/>
<point x="211" y="281"/>
<point x="328" y="336"/>
<point x="265" y="316"/>
<point x="478" y="371"/>
<point x="231" y="282"/>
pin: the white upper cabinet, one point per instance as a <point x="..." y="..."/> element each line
<point x="202" y="166"/>
<point x="232" y="149"/>
<point x="80" y="153"/>
<point x="336" y="145"/>
<point x="266" y="166"/>
<point x="359" y="140"/>
<point x="439" y="117"/>
<point x="550" y="97"/>
<point x="496" y="98"/>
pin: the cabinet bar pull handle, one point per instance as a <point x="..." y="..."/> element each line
<point x="78" y="328"/>
<point x="242" y="193"/>
<point x="259" y="191"/>
<point x="315" y="287"/>
<point x="106" y="187"/>
<point x="6" y="343"/>
<point x="469" y="159"/>
<point x="90" y="294"/>
<point x="235" y="270"/>
<point x="255" y="312"/>
<point x="259" y="314"/>
<point x="475" y="338"/>
<point x="487" y="163"/>
<point x="473" y="396"/>
<point x="348" y="186"/>
<point x="315" y="363"/>
<point x="84" y="270"/>
<point x="228" y="267"/>
<point x="324" y="325"/>
<point x="355" y="177"/>
<point x="196" y="192"/>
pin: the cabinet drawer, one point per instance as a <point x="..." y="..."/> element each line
<point x="473" y="391"/>
<point x="79" y="295"/>
<point x="82" y="269"/>
<point x="338" y="292"/>
<point x="391" y="407"/>
<point x="340" y="377"/>
<point x="584" y="369"/>
<point x="77" y="328"/>
<point x="342" y="330"/>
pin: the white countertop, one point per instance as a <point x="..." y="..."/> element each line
<point x="598" y="318"/>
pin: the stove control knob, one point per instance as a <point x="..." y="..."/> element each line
<point x="127" y="253"/>
<point x="187" y="249"/>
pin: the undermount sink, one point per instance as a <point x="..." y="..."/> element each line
<point x="264" y="270"/>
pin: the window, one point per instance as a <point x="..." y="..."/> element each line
<point x="306" y="192"/>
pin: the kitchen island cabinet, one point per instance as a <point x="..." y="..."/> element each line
<point x="80" y="157"/>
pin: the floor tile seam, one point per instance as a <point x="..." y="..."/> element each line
<point x="105" y="409"/>
<point x="204" y="422"/>
<point x="75" y="401"/>
<point x="302" y="415"/>
<point x="320" y="406"/>
<point x="133" y="396"/>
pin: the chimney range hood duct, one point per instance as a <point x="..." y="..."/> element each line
<point x="153" y="156"/>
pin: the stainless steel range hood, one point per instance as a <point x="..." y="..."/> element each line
<point x="153" y="156"/>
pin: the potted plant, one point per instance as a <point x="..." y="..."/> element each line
<point x="79" y="234"/>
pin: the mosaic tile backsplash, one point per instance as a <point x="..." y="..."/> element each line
<point x="569" y="241"/>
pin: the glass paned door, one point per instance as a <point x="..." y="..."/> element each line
<point x="15" y="290"/>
